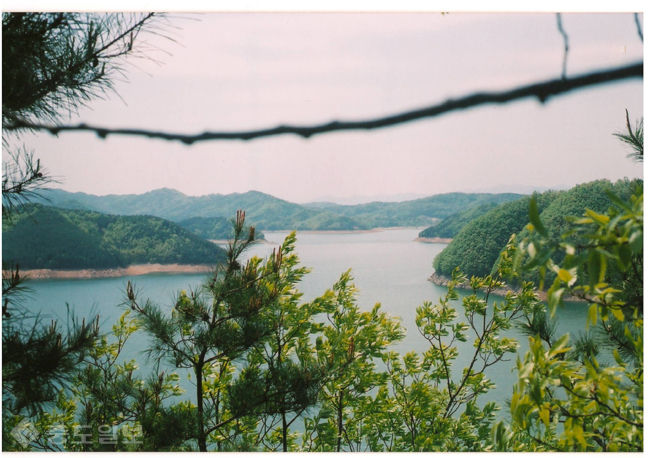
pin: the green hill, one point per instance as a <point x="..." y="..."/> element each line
<point x="451" y="225"/>
<point x="50" y="238"/>
<point x="262" y="211"/>
<point x="418" y="212"/>
<point x="478" y="244"/>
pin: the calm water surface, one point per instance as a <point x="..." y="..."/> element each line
<point x="388" y="267"/>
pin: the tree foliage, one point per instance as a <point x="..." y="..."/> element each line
<point x="53" y="63"/>
<point x="592" y="402"/>
<point x="633" y="138"/>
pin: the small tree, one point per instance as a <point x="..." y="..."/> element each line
<point x="284" y="361"/>
<point x="240" y="309"/>
<point x="353" y="342"/>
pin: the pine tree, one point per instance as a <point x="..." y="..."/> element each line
<point x="51" y="65"/>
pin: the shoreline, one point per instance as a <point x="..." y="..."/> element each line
<point x="432" y="240"/>
<point x="226" y="241"/>
<point x="348" y="231"/>
<point x="131" y="271"/>
<point x="442" y="280"/>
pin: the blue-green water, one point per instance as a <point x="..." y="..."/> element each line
<point x="388" y="267"/>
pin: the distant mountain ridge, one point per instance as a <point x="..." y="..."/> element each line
<point x="214" y="228"/>
<point x="266" y="212"/>
<point x="363" y="199"/>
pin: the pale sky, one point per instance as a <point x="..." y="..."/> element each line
<point x="233" y="71"/>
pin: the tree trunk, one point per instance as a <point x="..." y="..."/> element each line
<point x="340" y="422"/>
<point x="284" y="431"/>
<point x="198" y="370"/>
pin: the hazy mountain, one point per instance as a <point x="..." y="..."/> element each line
<point x="214" y="228"/>
<point x="518" y="189"/>
<point x="418" y="212"/>
<point x="266" y="212"/>
<point x="262" y="210"/>
<point x="360" y="199"/>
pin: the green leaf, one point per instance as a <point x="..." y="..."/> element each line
<point x="592" y="315"/>
<point x="544" y="415"/>
<point x="602" y="219"/>
<point x="565" y="275"/>
<point x="559" y="346"/>
<point x="533" y="214"/>
<point x="578" y="434"/>
<point x="617" y="357"/>
<point x="618" y="314"/>
<point x="625" y="255"/>
<point x="593" y="266"/>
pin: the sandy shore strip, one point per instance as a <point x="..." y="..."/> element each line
<point x="432" y="240"/>
<point x="131" y="271"/>
<point x="352" y="231"/>
<point x="226" y="242"/>
<point x="442" y="280"/>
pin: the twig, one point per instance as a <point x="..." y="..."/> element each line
<point x="542" y="91"/>
<point x="638" y="26"/>
<point x="566" y="44"/>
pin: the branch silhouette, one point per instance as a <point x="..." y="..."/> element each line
<point x="638" y="26"/>
<point x="565" y="37"/>
<point x="541" y="91"/>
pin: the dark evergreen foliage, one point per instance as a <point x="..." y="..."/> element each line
<point x="51" y="64"/>
<point x="39" y="359"/>
<point x="54" y="62"/>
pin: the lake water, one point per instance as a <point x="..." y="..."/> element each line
<point x="388" y="267"/>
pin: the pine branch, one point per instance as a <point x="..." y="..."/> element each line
<point x="541" y="91"/>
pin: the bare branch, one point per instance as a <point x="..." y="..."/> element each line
<point x="638" y="26"/>
<point x="542" y="91"/>
<point x="566" y="44"/>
